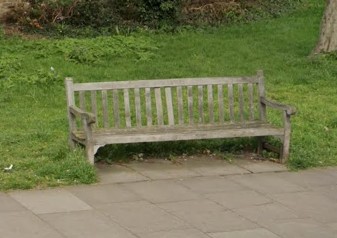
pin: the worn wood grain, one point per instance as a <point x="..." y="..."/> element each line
<point x="93" y="101"/>
<point x="148" y="106"/>
<point x="231" y="102"/>
<point x="159" y="106"/>
<point x="221" y="103"/>
<point x="251" y="101"/>
<point x="138" y="107"/>
<point x="116" y="107"/>
<point x="180" y="105"/>
<point x="201" y="103"/>
<point x="169" y="106"/>
<point x="162" y="83"/>
<point x="127" y="108"/>
<point x="82" y="100"/>
<point x="105" y="108"/>
<point x="210" y="103"/>
<point x="190" y="104"/>
<point x="241" y="102"/>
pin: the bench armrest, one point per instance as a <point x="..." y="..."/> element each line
<point x="89" y="117"/>
<point x="288" y="109"/>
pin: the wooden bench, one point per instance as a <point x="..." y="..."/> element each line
<point x="172" y="109"/>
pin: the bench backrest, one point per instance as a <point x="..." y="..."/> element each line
<point x="169" y="102"/>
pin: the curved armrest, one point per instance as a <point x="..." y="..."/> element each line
<point x="90" y="118"/>
<point x="288" y="109"/>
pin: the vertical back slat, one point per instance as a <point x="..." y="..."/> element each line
<point x="201" y="103"/>
<point x="231" y="102"/>
<point x="105" y="109"/>
<point x="241" y="102"/>
<point x="127" y="108"/>
<point x="262" y="107"/>
<point x="94" y="104"/>
<point x="148" y="106"/>
<point x="180" y="105"/>
<point x="82" y="99"/>
<point x="168" y="95"/>
<point x="251" y="101"/>
<point x="190" y="104"/>
<point x="116" y="107"/>
<point x="220" y="103"/>
<point x="138" y="108"/>
<point x="159" y="106"/>
<point x="210" y="103"/>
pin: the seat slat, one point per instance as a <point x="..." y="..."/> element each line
<point x="183" y="133"/>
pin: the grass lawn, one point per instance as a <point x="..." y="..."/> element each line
<point x="33" y="123"/>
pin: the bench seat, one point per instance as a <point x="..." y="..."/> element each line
<point x="167" y="133"/>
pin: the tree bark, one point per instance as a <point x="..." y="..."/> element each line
<point x="328" y="36"/>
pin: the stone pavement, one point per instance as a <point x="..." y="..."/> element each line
<point x="195" y="198"/>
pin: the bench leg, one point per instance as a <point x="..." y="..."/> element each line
<point x="285" y="148"/>
<point x="260" y="141"/>
<point x="286" y="139"/>
<point x="90" y="153"/>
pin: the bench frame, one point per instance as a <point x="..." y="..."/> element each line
<point x="92" y="138"/>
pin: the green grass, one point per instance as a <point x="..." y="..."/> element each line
<point x="33" y="122"/>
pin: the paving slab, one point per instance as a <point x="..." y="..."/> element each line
<point x="310" y="204"/>
<point x="208" y="166"/>
<point x="329" y="191"/>
<point x="49" y="201"/>
<point x="301" y="228"/>
<point x="239" y="199"/>
<point x="142" y="217"/>
<point x="162" y="169"/>
<point x="255" y="233"/>
<point x="153" y="191"/>
<point x="310" y="178"/>
<point x="267" y="213"/>
<point x="85" y="224"/>
<point x="204" y="185"/>
<point x="186" y="233"/>
<point x="267" y="183"/>
<point x="207" y="216"/>
<point x="118" y="174"/>
<point x="9" y="204"/>
<point x="24" y="224"/>
<point x="259" y="166"/>
<point x="104" y="194"/>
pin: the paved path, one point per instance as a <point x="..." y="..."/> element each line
<point x="186" y="199"/>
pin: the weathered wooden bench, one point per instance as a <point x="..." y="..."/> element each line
<point x="172" y="109"/>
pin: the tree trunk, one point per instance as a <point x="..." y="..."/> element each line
<point x="328" y="37"/>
